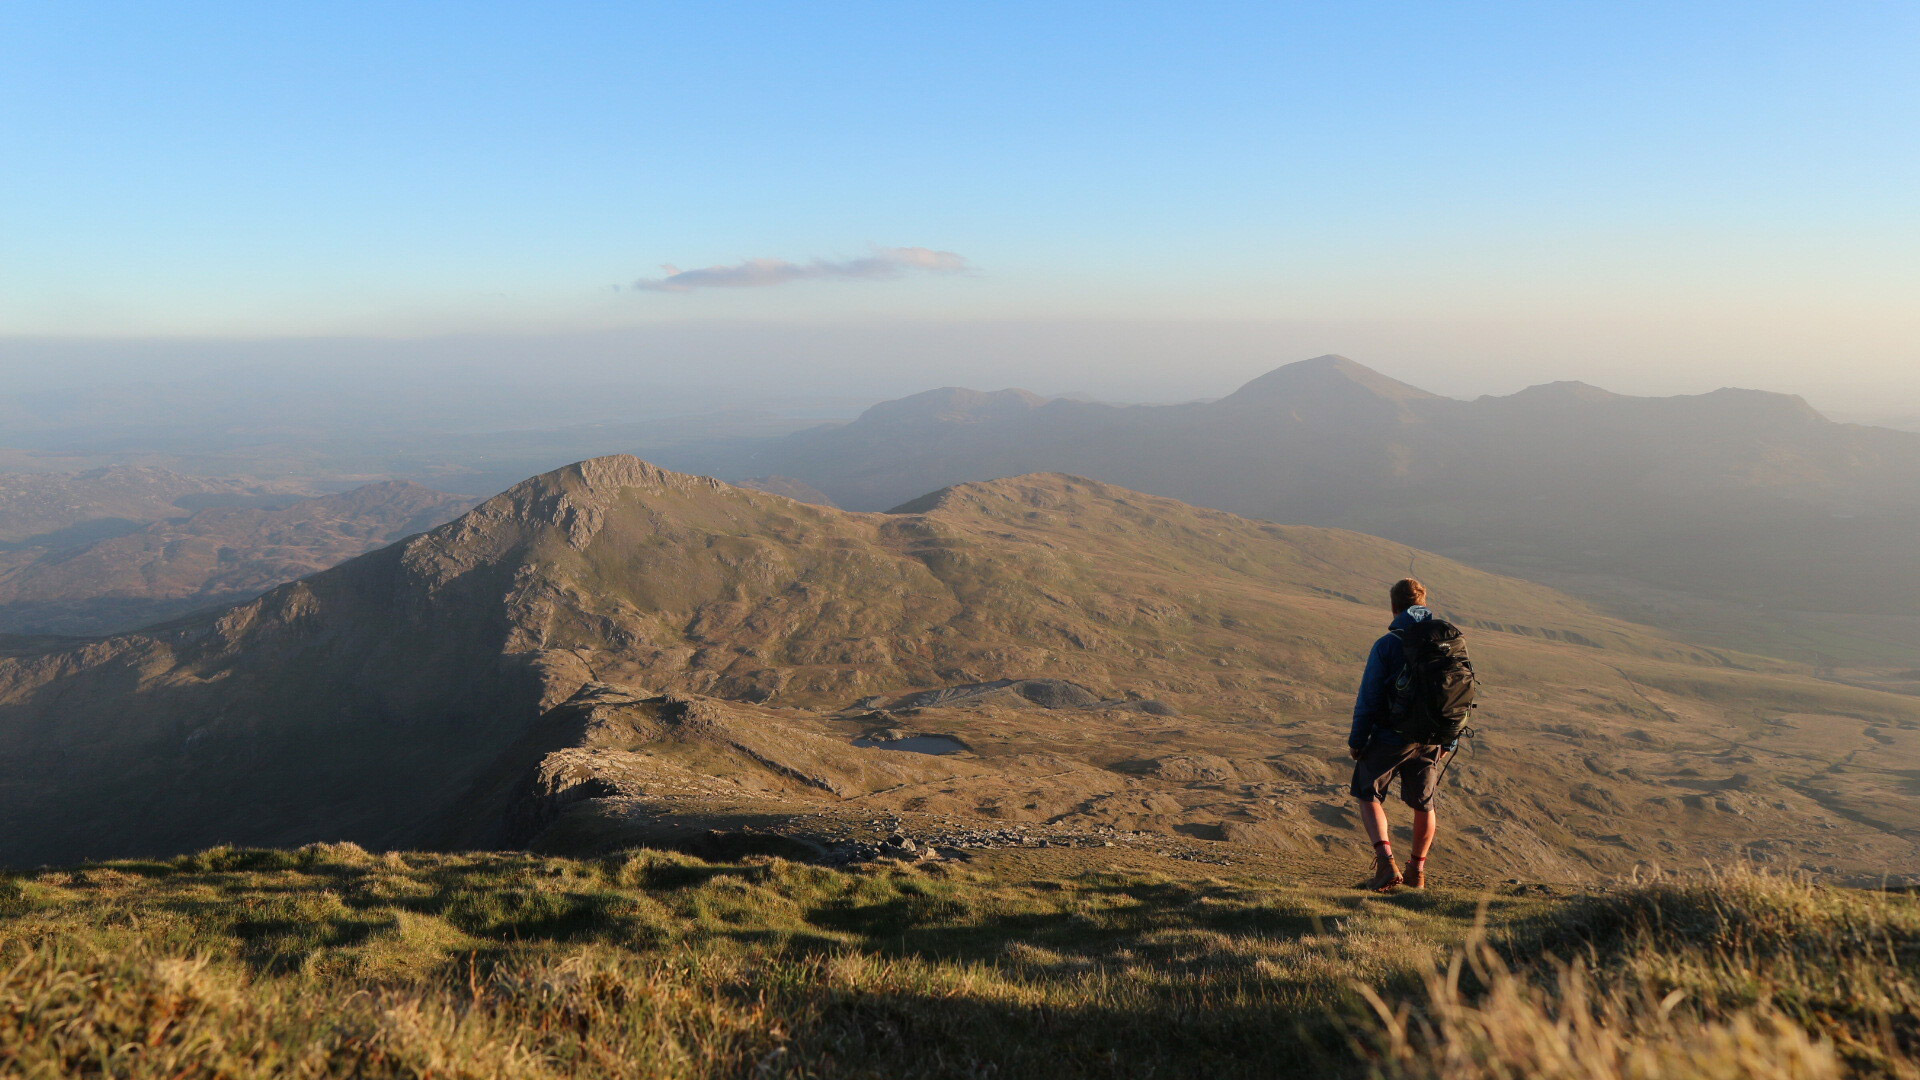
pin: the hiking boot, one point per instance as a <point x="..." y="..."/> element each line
<point x="1386" y="875"/>
<point x="1416" y="875"/>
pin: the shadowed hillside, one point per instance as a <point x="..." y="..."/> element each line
<point x="612" y="651"/>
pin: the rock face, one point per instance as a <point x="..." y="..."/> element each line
<point x="612" y="651"/>
<point x="213" y="556"/>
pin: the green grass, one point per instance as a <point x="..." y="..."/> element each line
<point x="329" y="961"/>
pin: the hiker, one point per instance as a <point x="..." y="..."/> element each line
<point x="1408" y="718"/>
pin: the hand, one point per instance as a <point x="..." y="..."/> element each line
<point x="1354" y="752"/>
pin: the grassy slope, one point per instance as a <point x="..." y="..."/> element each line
<point x="333" y="962"/>
<point x="1257" y="631"/>
<point x="1039" y="574"/>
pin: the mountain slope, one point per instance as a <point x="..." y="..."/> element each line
<point x="1740" y="516"/>
<point x="610" y="647"/>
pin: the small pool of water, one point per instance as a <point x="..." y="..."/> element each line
<point x="917" y="744"/>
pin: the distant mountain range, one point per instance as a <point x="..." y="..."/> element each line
<point x="64" y="584"/>
<point x="1744" y="516"/>
<point x="611" y="650"/>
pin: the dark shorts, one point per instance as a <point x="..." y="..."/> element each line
<point x="1417" y="766"/>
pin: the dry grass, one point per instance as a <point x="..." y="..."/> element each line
<point x="1739" y="975"/>
<point x="332" y="962"/>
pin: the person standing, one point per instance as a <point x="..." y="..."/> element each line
<point x="1408" y="717"/>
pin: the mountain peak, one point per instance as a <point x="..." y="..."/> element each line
<point x="954" y="404"/>
<point x="1762" y="406"/>
<point x="1044" y="490"/>
<point x="1325" y="381"/>
<point x="571" y="501"/>
<point x="1565" y="390"/>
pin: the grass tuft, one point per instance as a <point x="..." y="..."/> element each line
<point x="1738" y="974"/>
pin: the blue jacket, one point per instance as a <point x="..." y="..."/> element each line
<point x="1370" y="709"/>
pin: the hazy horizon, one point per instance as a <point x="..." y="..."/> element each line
<point x="841" y="367"/>
<point x="1149" y="204"/>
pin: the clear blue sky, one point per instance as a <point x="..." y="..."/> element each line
<point x="1739" y="180"/>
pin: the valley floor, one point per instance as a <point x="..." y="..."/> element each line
<point x="330" y="961"/>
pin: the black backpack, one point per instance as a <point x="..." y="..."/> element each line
<point x="1436" y="686"/>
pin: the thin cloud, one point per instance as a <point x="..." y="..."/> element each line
<point x="883" y="263"/>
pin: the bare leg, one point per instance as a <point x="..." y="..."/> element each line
<point x="1374" y="816"/>
<point x="1426" y="823"/>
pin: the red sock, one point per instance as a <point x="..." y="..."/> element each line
<point x="1383" y="848"/>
